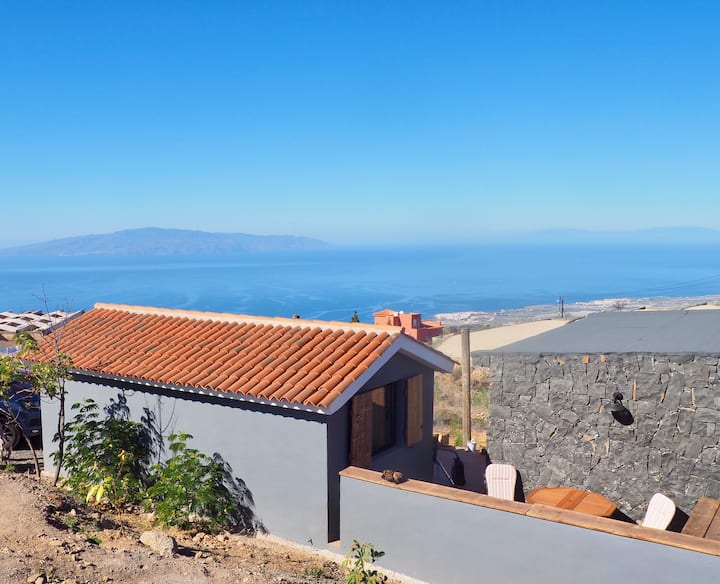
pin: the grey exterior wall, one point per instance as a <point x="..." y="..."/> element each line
<point x="289" y="460"/>
<point x="547" y="419"/>
<point x="448" y="542"/>
<point x="281" y="459"/>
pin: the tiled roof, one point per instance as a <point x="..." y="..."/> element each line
<point x="385" y="312"/>
<point x="275" y="360"/>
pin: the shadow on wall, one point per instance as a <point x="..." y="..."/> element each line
<point x="247" y="522"/>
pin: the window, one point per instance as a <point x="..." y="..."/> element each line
<point x="384" y="416"/>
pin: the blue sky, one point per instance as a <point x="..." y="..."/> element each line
<point x="358" y="121"/>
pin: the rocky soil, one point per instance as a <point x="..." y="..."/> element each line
<point x="47" y="537"/>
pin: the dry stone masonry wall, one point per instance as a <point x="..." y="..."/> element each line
<point x="547" y="419"/>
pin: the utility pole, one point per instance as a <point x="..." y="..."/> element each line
<point x="465" y="362"/>
<point x="561" y="304"/>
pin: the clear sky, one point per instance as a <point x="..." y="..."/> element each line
<point x="365" y="121"/>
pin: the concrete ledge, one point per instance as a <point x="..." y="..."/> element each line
<point x="544" y="512"/>
<point x="623" y="529"/>
<point x="434" y="490"/>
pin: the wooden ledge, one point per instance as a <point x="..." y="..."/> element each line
<point x="442" y="491"/>
<point x="623" y="529"/>
<point x="544" y="512"/>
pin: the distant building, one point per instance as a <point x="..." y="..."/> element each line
<point x="34" y="322"/>
<point x="412" y="322"/>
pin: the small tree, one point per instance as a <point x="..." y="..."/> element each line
<point x="355" y="317"/>
<point x="192" y="489"/>
<point x="48" y="370"/>
<point x="106" y="459"/>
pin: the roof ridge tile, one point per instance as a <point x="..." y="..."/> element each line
<point x="306" y="363"/>
<point x="230" y="317"/>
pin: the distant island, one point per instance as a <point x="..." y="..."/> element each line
<point x="157" y="241"/>
<point x="658" y="235"/>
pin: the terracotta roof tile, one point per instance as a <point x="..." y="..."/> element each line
<point x="290" y="360"/>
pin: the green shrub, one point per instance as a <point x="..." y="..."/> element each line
<point x="192" y="489"/>
<point x="106" y="460"/>
<point x="316" y="572"/>
<point x="358" y="561"/>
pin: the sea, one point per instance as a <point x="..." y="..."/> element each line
<point x="485" y="284"/>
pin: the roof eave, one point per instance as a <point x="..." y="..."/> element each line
<point x="405" y="345"/>
<point x="229" y="396"/>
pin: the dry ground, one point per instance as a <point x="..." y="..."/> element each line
<point x="448" y="405"/>
<point x="46" y="534"/>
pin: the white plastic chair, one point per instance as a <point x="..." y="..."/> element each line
<point x="500" y="480"/>
<point x="660" y="512"/>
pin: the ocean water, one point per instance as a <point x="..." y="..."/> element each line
<point x="332" y="283"/>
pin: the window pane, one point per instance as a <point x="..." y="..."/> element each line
<point x="383" y="419"/>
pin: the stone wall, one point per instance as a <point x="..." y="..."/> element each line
<point x="547" y="419"/>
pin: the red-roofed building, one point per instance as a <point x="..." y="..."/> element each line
<point x="412" y="322"/>
<point x="288" y="403"/>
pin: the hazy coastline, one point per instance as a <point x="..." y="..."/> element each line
<point x="575" y="310"/>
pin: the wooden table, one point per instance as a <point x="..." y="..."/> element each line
<point x="573" y="500"/>
<point x="704" y="519"/>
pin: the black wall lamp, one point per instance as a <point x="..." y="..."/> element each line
<point x="617" y="408"/>
<point x="616" y="404"/>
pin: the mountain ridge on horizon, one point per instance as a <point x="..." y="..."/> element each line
<point x="157" y="241"/>
<point x="162" y="241"/>
<point x="652" y="235"/>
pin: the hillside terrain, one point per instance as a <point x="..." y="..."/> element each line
<point x="46" y="537"/>
<point x="155" y="241"/>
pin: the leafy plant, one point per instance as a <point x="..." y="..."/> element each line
<point x="358" y="561"/>
<point x="192" y="489"/>
<point x="106" y="459"/>
<point x="316" y="572"/>
<point x="71" y="522"/>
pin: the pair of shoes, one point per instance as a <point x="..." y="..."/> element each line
<point x="392" y="476"/>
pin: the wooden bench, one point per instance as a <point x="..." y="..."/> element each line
<point x="704" y="519"/>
